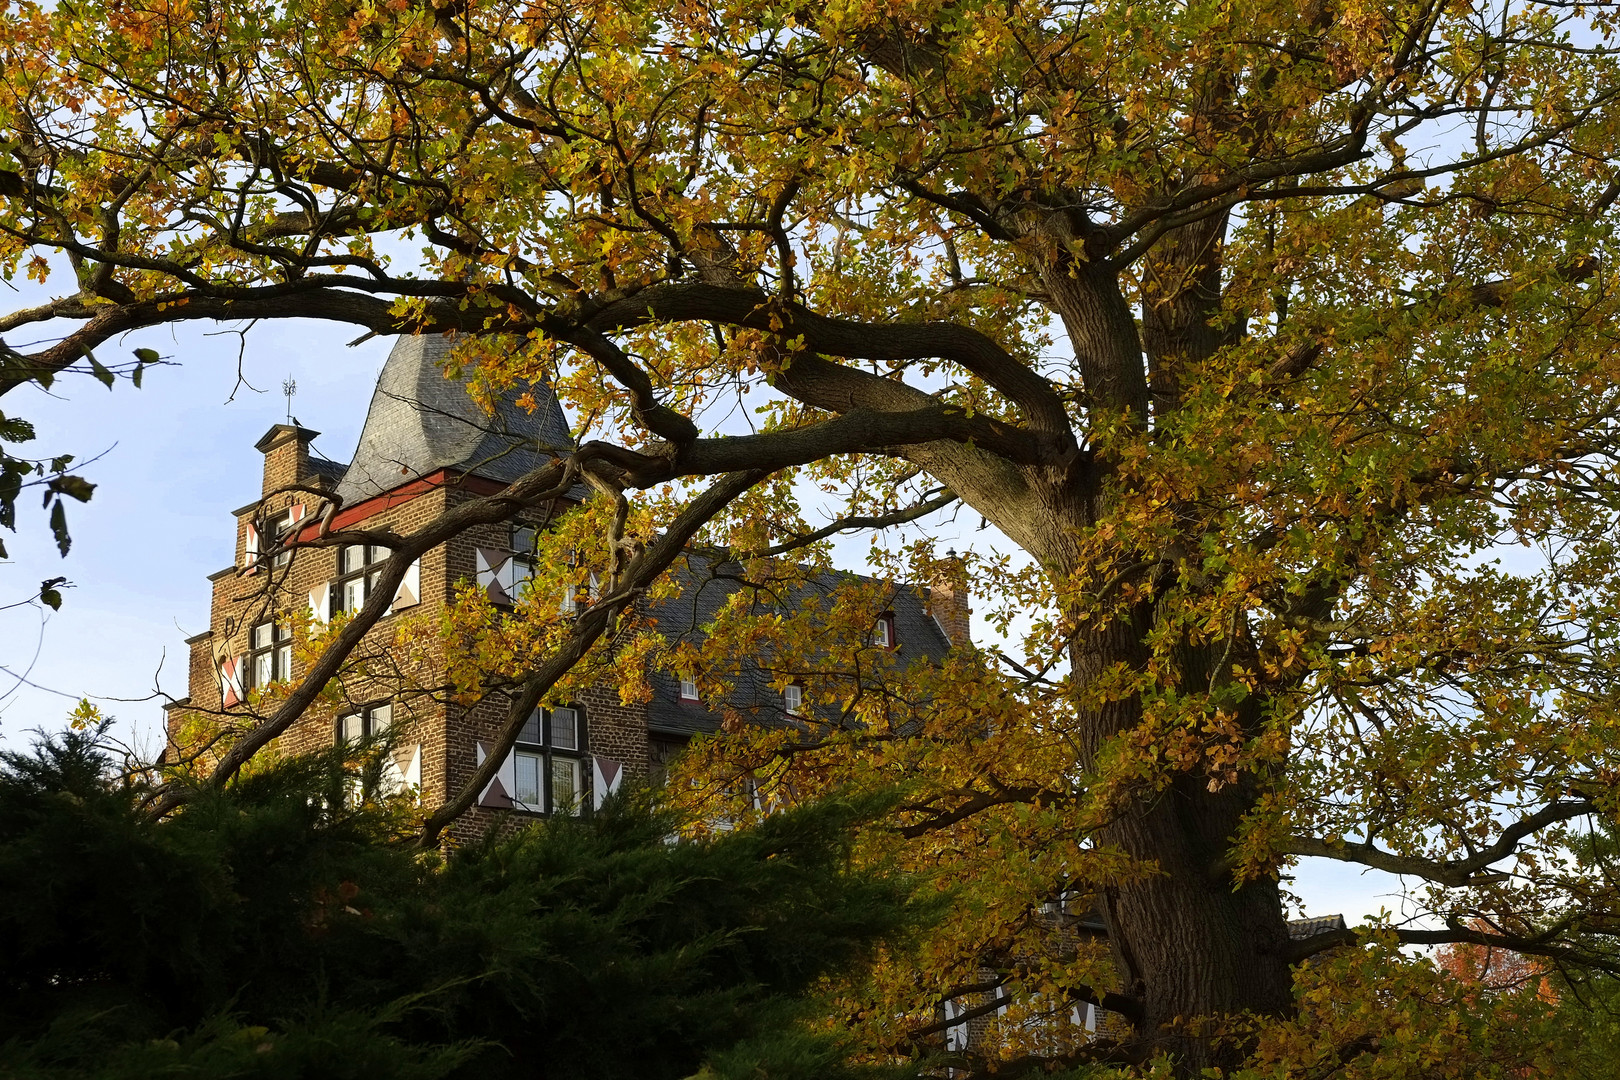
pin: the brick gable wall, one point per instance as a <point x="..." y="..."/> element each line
<point x="447" y="732"/>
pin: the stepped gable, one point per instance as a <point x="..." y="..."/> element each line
<point x="705" y="589"/>
<point x="420" y="422"/>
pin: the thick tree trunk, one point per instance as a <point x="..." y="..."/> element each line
<point x="1189" y="946"/>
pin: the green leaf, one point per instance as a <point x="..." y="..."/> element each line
<point x="59" y="528"/>
<point x="51" y="598"/>
<point x="102" y="373"/>
<point x="15" y="429"/>
<point x="76" y="487"/>
<point x="60" y="463"/>
<point x="142" y="358"/>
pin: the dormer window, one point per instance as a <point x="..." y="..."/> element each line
<point x="793" y="699"/>
<point x="689" y="689"/>
<point x="883" y="632"/>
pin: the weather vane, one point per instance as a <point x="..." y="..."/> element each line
<point x="289" y="387"/>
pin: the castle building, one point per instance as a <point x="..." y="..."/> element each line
<point x="426" y="447"/>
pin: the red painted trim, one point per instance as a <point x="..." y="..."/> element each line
<point x="887" y="619"/>
<point x="482" y="485"/>
<point x="401" y="495"/>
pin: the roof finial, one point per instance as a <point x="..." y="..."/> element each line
<point x="289" y="387"/>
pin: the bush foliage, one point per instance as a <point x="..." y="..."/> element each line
<point x="274" y="929"/>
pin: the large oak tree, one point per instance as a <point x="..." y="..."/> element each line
<point x="1259" y="330"/>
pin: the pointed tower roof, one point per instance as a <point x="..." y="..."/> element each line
<point x="420" y="422"/>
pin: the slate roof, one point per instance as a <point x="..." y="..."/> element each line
<point x="420" y="422"/>
<point x="329" y="471"/>
<point x="1301" y="929"/>
<point x="705" y="589"/>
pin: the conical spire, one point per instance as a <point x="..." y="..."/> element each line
<point x="420" y="422"/>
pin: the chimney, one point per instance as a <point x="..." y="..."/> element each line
<point x="286" y="455"/>
<point x="948" y="600"/>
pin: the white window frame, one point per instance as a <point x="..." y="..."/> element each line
<point x="270" y="644"/>
<point x="541" y="750"/>
<point x="883" y="631"/>
<point x="359" y="568"/>
<point x="689" y="689"/>
<point x="793" y="699"/>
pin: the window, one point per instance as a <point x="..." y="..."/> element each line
<point x="281" y="527"/>
<point x="883" y="632"/>
<point x="956" y="1034"/>
<point x="354" y="728"/>
<point x="506" y="571"/>
<point x="793" y="699"/>
<point x="742" y="794"/>
<point x="520" y="571"/>
<point x="525" y="539"/>
<point x="270" y="654"/>
<point x="549" y="760"/>
<point x="367" y="723"/>
<point x="358" y="574"/>
<point x="661" y="753"/>
<point x="582" y="595"/>
<point x="689" y="691"/>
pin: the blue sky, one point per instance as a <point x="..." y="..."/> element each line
<point x="177" y="457"/>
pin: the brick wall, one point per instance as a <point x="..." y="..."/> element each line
<point x="286" y="456"/>
<point x="252" y="591"/>
<point x="612" y="729"/>
<point x="948" y="601"/>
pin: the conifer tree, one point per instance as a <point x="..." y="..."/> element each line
<point x="279" y="928"/>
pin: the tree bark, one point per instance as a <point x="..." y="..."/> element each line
<point x="1190" y="947"/>
<point x="1187" y="944"/>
